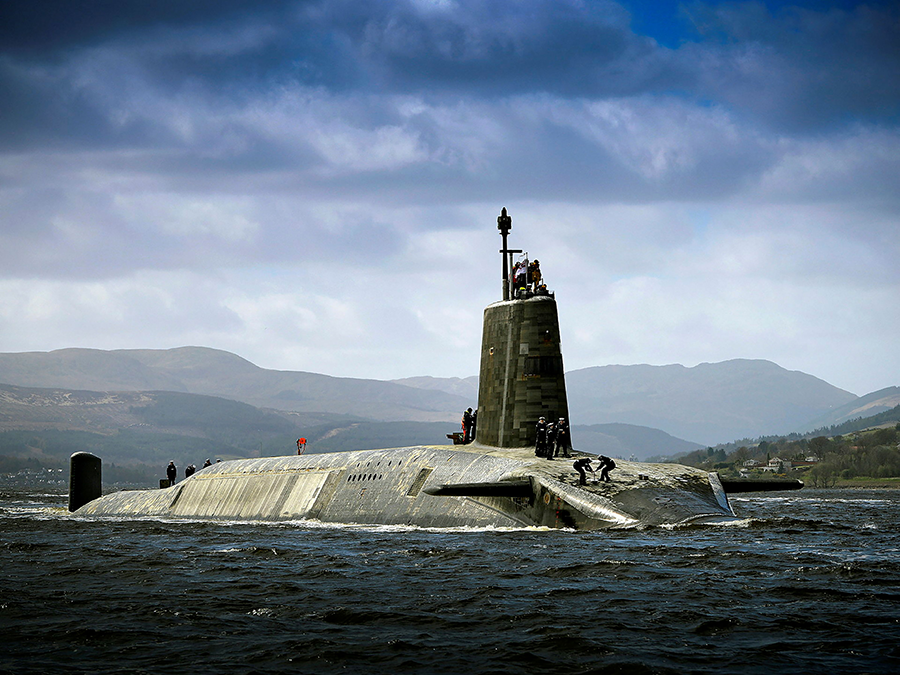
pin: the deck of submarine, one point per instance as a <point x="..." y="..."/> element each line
<point x="626" y="476"/>
<point x="639" y="493"/>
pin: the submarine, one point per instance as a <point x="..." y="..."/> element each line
<point x="496" y="480"/>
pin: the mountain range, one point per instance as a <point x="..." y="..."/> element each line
<point x="623" y="410"/>
<point x="137" y="433"/>
<point x="200" y="370"/>
<point x="710" y="403"/>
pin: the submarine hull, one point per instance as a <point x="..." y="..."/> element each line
<point x="430" y="486"/>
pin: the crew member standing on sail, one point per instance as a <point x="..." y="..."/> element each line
<point x="521" y="277"/>
<point x="534" y="275"/>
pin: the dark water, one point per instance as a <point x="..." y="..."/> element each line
<point x="809" y="583"/>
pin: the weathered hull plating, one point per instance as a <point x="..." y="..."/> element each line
<point x="431" y="486"/>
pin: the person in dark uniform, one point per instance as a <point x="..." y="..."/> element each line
<point x="172" y="473"/>
<point x="207" y="463"/>
<point x="189" y="470"/>
<point x="551" y="440"/>
<point x="562" y="438"/>
<point x="474" y="422"/>
<point x="606" y="465"/>
<point x="580" y="465"/>
<point x="540" y="437"/>
<point x="467" y="425"/>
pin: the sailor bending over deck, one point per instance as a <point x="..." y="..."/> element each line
<point x="606" y="465"/>
<point x="580" y="465"/>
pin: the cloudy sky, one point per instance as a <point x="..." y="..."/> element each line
<point x="314" y="185"/>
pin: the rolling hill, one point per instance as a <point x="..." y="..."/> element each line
<point x="200" y="370"/>
<point x="148" y="428"/>
<point x="864" y="406"/>
<point x="707" y="404"/>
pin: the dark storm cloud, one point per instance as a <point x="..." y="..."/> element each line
<point x="64" y="67"/>
<point x="495" y="48"/>
<point x="47" y="29"/>
<point x="551" y="98"/>
<point x="493" y="45"/>
<point x="796" y="68"/>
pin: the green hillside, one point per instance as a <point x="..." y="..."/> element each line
<point x="865" y="448"/>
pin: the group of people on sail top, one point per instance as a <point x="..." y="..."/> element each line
<point x="526" y="276"/>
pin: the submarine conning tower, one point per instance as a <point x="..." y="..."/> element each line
<point x="521" y="377"/>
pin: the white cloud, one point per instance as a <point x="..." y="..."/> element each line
<point x="860" y="163"/>
<point x="184" y="217"/>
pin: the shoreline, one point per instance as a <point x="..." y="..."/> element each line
<point x="862" y="482"/>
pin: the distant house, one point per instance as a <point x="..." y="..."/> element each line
<point x="752" y="463"/>
<point x="779" y="465"/>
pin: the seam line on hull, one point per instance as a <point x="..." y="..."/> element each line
<point x="505" y="382"/>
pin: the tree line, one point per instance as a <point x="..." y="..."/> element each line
<point x="871" y="453"/>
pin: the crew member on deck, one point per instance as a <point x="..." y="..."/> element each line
<point x="172" y="473"/>
<point x="562" y="438"/>
<point x="467" y="425"/>
<point x="540" y="437"/>
<point x="606" y="465"/>
<point x="580" y="465"/>
<point x="551" y="440"/>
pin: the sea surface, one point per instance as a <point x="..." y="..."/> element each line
<point x="808" y="582"/>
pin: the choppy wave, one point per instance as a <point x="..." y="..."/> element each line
<point x="795" y="586"/>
